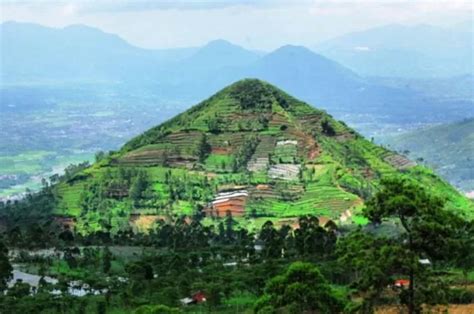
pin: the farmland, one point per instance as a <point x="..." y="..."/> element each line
<point x="267" y="156"/>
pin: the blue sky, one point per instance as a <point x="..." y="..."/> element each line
<point x="264" y="24"/>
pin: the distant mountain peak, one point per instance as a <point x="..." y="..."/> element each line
<point x="293" y="49"/>
<point x="222" y="46"/>
<point x="220" y="43"/>
<point x="221" y="53"/>
<point x="86" y="29"/>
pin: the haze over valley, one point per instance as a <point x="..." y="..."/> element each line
<point x="237" y="156"/>
<point x="63" y="103"/>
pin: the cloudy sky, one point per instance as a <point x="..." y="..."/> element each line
<point x="256" y="24"/>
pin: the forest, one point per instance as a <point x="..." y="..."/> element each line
<point x="187" y="266"/>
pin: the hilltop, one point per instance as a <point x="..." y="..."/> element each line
<point x="251" y="151"/>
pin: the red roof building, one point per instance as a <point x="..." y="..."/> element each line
<point x="401" y="283"/>
<point x="199" y="297"/>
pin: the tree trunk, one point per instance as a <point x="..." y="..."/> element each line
<point x="411" y="291"/>
<point x="411" y="286"/>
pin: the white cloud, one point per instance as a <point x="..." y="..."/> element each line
<point x="362" y="48"/>
<point x="69" y="9"/>
<point x="264" y="24"/>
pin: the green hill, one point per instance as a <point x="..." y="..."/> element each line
<point x="250" y="150"/>
<point x="448" y="148"/>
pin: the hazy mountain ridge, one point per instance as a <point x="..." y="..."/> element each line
<point x="65" y="55"/>
<point x="448" y="148"/>
<point x="405" y="51"/>
<point x="125" y="85"/>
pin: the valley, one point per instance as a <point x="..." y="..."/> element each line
<point x="203" y="212"/>
<point x="54" y="120"/>
<point x="448" y="148"/>
<point x="167" y="171"/>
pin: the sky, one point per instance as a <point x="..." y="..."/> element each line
<point x="255" y="24"/>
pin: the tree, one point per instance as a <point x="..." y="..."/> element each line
<point x="139" y="271"/>
<point x="310" y="238"/>
<point x="367" y="263"/>
<point x="273" y="243"/>
<point x="139" y="185"/>
<point x="464" y="248"/>
<point x="6" y="269"/>
<point x="203" y="148"/>
<point x="99" y="156"/>
<point x="69" y="258"/>
<point x="156" y="309"/>
<point x="106" y="260"/>
<point x="327" y="127"/>
<point x="302" y="288"/>
<point x="229" y="226"/>
<point x="404" y="199"/>
<point x="214" y="124"/>
<point x="19" y="290"/>
<point x="101" y="307"/>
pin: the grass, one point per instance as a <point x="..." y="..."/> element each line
<point x="241" y="300"/>
<point x="440" y="188"/>
<point x="347" y="164"/>
<point x="70" y="199"/>
<point x="359" y="220"/>
<point x="219" y="163"/>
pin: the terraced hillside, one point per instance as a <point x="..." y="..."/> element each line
<point x="250" y="151"/>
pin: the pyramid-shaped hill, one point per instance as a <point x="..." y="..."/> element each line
<point x="250" y="150"/>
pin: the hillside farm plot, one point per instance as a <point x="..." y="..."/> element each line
<point x="284" y="171"/>
<point x="400" y="162"/>
<point x="70" y="201"/>
<point x="154" y="154"/>
<point x="219" y="163"/>
<point x="327" y="201"/>
<point x="285" y="152"/>
<point x="259" y="161"/>
<point x="227" y="202"/>
<point x="264" y="157"/>
<point x="225" y="143"/>
<point x="144" y="223"/>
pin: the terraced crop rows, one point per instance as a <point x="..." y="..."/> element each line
<point x="229" y="142"/>
<point x="284" y="171"/>
<point x="285" y="154"/>
<point x="153" y="156"/>
<point x="259" y="160"/>
<point x="70" y="201"/>
<point x="400" y="162"/>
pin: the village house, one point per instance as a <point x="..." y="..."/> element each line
<point x="196" y="298"/>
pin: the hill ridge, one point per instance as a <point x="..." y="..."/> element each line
<point x="251" y="151"/>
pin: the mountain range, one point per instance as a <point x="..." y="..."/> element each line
<point x="93" y="91"/>
<point x="42" y="55"/>
<point x="419" y="51"/>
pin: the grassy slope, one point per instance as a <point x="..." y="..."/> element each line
<point x="448" y="148"/>
<point x="347" y="166"/>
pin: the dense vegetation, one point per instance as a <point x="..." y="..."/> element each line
<point x="271" y="156"/>
<point x="251" y="200"/>
<point x="326" y="269"/>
